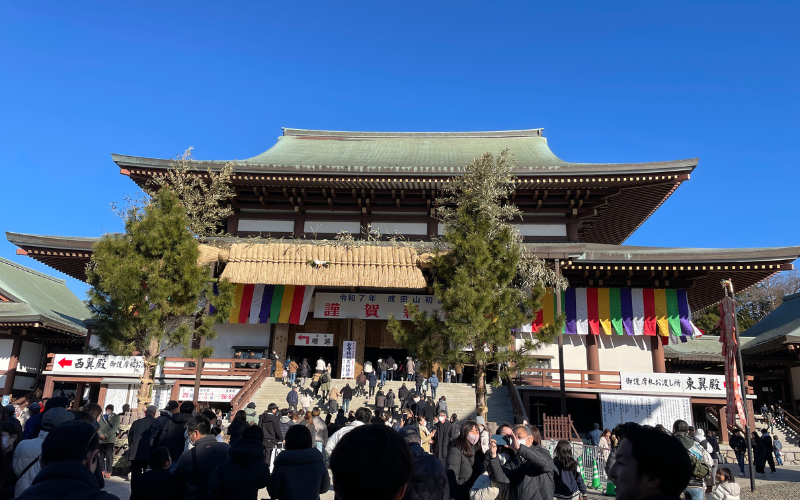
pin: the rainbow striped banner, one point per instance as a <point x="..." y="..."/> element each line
<point x="620" y="311"/>
<point x="256" y="304"/>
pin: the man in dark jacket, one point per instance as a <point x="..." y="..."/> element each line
<point x="402" y="395"/>
<point x="70" y="456"/>
<point x="766" y="440"/>
<point x="419" y="379"/>
<point x="739" y="445"/>
<point x="172" y="435"/>
<point x="441" y="438"/>
<point x="245" y="471"/>
<point x="305" y="371"/>
<point x="196" y="466"/>
<point x="271" y="427"/>
<point x="429" y="480"/>
<point x="347" y="395"/>
<point x="164" y="417"/>
<point x="273" y="358"/>
<point x="292" y="398"/>
<point x="139" y="437"/>
<point x="390" y="362"/>
<point x="594" y="435"/>
<point x="531" y="473"/>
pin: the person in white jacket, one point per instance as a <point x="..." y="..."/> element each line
<point x="305" y="401"/>
<point x="726" y="489"/>
<point x="26" y="457"/>
<point x="363" y="416"/>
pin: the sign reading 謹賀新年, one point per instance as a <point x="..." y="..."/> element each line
<point x="644" y="410"/>
<point x="674" y="383"/>
<point x="348" y="359"/>
<point x="314" y="339"/>
<point x="371" y="305"/>
<point x="87" y="364"/>
<point x="219" y="394"/>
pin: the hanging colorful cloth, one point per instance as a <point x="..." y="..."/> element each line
<point x="258" y="303"/>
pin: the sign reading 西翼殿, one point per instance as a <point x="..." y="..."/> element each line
<point x="314" y="339"/>
<point x="348" y="359"/>
<point x="89" y="365"/>
<point x="371" y="305"/>
<point x="674" y="383"/>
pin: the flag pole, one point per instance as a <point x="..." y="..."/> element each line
<point x="727" y="285"/>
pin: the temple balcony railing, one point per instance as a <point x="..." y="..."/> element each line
<point x="573" y="379"/>
<point x="212" y="367"/>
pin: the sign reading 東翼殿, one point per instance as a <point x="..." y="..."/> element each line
<point x="86" y="364"/>
<point x="314" y="339"/>
<point x="674" y="383"/>
<point x="371" y="305"/>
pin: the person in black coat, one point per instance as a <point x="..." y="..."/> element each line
<point x="419" y="379"/>
<point x="238" y="426"/>
<point x="429" y="412"/>
<point x="70" y="455"/>
<point x="270" y="428"/>
<point x="429" y="480"/>
<point x="196" y="466"/>
<point x="245" y="471"/>
<point x="299" y="472"/>
<point x="139" y="436"/>
<point x="164" y="417"/>
<point x="531" y="473"/>
<point x="172" y="434"/>
<point x="305" y="371"/>
<point x="465" y="461"/>
<point x="402" y="395"/>
<point x="441" y="438"/>
<point x="157" y="483"/>
<point x="373" y="381"/>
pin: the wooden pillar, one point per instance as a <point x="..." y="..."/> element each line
<point x="592" y="356"/>
<point x="360" y="337"/>
<point x="176" y="391"/>
<point x="87" y="342"/>
<point x="101" y="397"/>
<point x="657" y="350"/>
<point x="280" y="341"/>
<point x="233" y="223"/>
<point x="13" y="361"/>
<point x="48" y="387"/>
<point x="722" y="411"/>
<point x="790" y="388"/>
<point x="79" y="388"/>
<point x="346" y="334"/>
<point x="751" y="416"/>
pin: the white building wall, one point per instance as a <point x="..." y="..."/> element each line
<point x="574" y="351"/>
<point x="231" y="334"/>
<point x="625" y="353"/>
<point x="5" y="352"/>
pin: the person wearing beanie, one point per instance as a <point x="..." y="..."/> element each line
<point x="250" y="413"/>
<point x="70" y="456"/>
<point x="26" y="457"/>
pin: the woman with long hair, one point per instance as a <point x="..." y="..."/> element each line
<point x="299" y="471"/>
<point x="237" y="427"/>
<point x="465" y="461"/>
<point x="568" y="481"/>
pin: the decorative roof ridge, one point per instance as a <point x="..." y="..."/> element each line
<point x="791" y="296"/>
<point x="298" y="132"/>
<point x="31" y="271"/>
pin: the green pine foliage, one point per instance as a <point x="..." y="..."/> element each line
<point x="487" y="282"/>
<point x="148" y="293"/>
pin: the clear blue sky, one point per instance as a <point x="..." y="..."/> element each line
<point x="609" y="81"/>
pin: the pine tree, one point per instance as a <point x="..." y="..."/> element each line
<point x="487" y="282"/>
<point x="148" y="293"/>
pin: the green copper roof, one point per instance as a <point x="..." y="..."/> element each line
<point x="782" y="322"/>
<point x="413" y="153"/>
<point x="37" y="297"/>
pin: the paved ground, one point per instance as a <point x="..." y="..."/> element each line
<point x="783" y="485"/>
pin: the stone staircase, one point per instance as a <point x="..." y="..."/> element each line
<point x="460" y="398"/>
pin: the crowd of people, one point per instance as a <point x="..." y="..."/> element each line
<point x="409" y="448"/>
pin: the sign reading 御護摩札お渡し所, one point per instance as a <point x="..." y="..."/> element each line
<point x="644" y="410"/>
<point x="690" y="384"/>
<point x="371" y="305"/>
<point x="98" y="365"/>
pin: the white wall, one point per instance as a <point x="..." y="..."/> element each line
<point x="30" y="355"/>
<point x="315" y="226"/>
<point x="266" y="226"/>
<point x="625" y="353"/>
<point x="574" y="351"/>
<point x="5" y="352"/>
<point x="231" y="334"/>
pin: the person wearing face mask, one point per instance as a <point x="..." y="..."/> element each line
<point x="27" y="453"/>
<point x="465" y="461"/>
<point x="109" y="426"/>
<point x="70" y="455"/>
<point x="429" y="481"/>
<point x="424" y="434"/>
<point x="196" y="466"/>
<point x="531" y="473"/>
<point x="441" y="437"/>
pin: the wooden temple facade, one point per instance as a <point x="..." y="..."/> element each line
<point x="381" y="188"/>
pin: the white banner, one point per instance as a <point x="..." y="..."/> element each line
<point x="348" y="359"/>
<point x="644" y="410"/>
<point x="314" y="339"/>
<point x="371" y="305"/>
<point x="85" y="364"/>
<point x="218" y="394"/>
<point x="674" y="383"/>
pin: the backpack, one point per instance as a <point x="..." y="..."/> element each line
<point x="324" y="379"/>
<point x="701" y="461"/>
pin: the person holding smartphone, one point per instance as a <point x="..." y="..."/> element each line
<point x="531" y="472"/>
